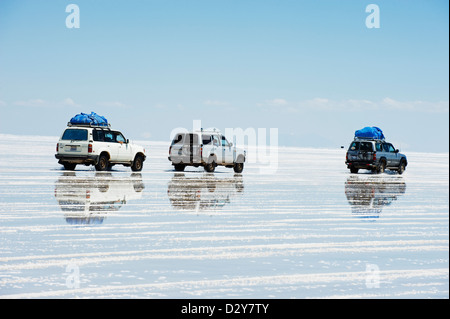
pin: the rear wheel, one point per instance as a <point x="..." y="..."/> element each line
<point x="354" y="170"/>
<point x="211" y="165"/>
<point x="179" y="167"/>
<point x="102" y="164"/>
<point x="70" y="166"/>
<point x="382" y="167"/>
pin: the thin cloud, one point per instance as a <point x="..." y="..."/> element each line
<point x="423" y="106"/>
<point x="32" y="103"/>
<point x="70" y="102"/>
<point x="386" y="104"/>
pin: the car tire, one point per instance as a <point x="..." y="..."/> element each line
<point x="138" y="164"/>
<point x="179" y="167"/>
<point x="238" y="167"/>
<point x="382" y="167"/>
<point x="210" y="167"/>
<point x="401" y="167"/>
<point x="70" y="166"/>
<point x="103" y="163"/>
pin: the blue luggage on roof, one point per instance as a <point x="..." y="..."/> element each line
<point x="89" y="119"/>
<point x="370" y="133"/>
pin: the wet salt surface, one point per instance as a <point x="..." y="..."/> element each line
<point x="312" y="230"/>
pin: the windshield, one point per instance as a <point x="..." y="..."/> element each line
<point x="75" y="135"/>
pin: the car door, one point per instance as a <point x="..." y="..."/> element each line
<point x="227" y="151"/>
<point x="395" y="156"/>
<point x="216" y="147"/>
<point x="123" y="148"/>
<point x="191" y="149"/>
<point x="391" y="155"/>
<point x="111" y="146"/>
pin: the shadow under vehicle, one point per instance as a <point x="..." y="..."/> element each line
<point x="87" y="200"/>
<point x="367" y="195"/>
<point x="205" y="193"/>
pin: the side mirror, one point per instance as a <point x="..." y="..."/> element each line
<point x="396" y="151"/>
<point x="231" y="144"/>
<point x="128" y="141"/>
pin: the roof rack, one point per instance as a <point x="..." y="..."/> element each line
<point x="210" y="129"/>
<point x="368" y="139"/>
<point x="106" y="126"/>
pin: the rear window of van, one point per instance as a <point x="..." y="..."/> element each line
<point x="187" y="139"/>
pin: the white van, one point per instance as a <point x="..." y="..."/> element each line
<point x="207" y="148"/>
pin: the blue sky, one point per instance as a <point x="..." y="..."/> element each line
<point x="312" y="69"/>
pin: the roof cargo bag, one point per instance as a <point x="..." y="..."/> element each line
<point x="92" y="119"/>
<point x="370" y="133"/>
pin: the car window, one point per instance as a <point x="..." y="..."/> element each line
<point x="191" y="139"/>
<point x="98" y="135"/>
<point x="109" y="137"/>
<point x="224" y="141"/>
<point x="120" y="138"/>
<point x="75" y="135"/>
<point x="361" y="146"/>
<point x="178" y="139"/>
<point x="354" y="146"/>
<point x="206" y="139"/>
<point x="389" y="148"/>
<point x="366" y="146"/>
<point x="216" y="140"/>
<point x="378" y="147"/>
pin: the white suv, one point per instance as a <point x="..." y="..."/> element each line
<point x="207" y="148"/>
<point x="99" y="146"/>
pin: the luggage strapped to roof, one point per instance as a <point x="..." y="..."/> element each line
<point x="89" y="120"/>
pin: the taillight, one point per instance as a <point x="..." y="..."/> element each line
<point x="57" y="147"/>
<point x="346" y="157"/>
<point x="90" y="148"/>
<point x="170" y="149"/>
<point x="374" y="156"/>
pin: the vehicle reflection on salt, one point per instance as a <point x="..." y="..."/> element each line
<point x="205" y="193"/>
<point x="87" y="200"/>
<point x="367" y="195"/>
